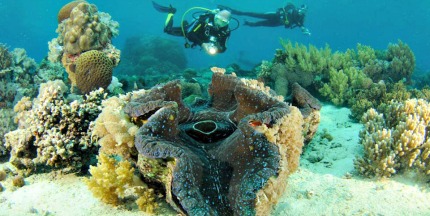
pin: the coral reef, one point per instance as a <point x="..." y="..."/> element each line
<point x="53" y="131"/>
<point x="228" y="156"/>
<point x="155" y="58"/>
<point x="396" y="139"/>
<point x="83" y="28"/>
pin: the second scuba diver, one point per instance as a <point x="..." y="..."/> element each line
<point x="210" y="30"/>
<point x="289" y="16"/>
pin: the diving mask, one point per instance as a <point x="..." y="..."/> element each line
<point x="222" y="18"/>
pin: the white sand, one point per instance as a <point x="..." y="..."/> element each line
<point x="327" y="186"/>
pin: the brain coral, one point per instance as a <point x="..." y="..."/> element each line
<point x="93" y="70"/>
<point x="231" y="156"/>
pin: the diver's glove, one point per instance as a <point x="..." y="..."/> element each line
<point x="306" y="31"/>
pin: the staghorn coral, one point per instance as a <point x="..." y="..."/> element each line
<point x="53" y="132"/>
<point x="396" y="140"/>
<point x="93" y="70"/>
<point x="230" y="156"/>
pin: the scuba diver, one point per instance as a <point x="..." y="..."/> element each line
<point x="289" y="16"/>
<point x="210" y="30"/>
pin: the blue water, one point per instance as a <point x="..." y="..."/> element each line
<point x="30" y="24"/>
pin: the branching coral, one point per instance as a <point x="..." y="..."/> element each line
<point x="396" y="140"/>
<point x="53" y="132"/>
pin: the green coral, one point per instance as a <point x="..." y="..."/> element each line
<point x="402" y="62"/>
<point x="336" y="88"/>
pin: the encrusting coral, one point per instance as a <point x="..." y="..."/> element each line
<point x="54" y="132"/>
<point x="228" y="156"/>
<point x="396" y="140"/>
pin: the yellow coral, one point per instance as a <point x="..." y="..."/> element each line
<point x="110" y="179"/>
<point x="93" y="70"/>
<point x="146" y="201"/>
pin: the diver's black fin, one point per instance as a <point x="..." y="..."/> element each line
<point x="163" y="9"/>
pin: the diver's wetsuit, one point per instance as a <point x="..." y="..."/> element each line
<point x="201" y="30"/>
<point x="288" y="16"/>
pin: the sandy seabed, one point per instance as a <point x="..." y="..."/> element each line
<point x="325" y="184"/>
